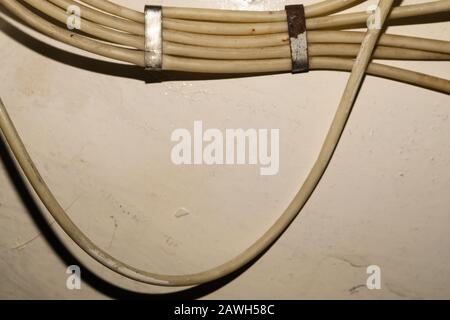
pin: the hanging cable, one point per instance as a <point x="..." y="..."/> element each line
<point x="216" y="44"/>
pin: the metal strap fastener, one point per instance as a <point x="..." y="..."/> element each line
<point x="153" y="38"/>
<point x="297" y="37"/>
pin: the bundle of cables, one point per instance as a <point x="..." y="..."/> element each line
<point x="221" y="42"/>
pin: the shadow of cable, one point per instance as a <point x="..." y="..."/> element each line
<point x="89" y="276"/>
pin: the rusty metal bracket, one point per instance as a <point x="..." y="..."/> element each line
<point x="297" y="36"/>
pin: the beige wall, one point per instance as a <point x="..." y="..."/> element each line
<point x="102" y="143"/>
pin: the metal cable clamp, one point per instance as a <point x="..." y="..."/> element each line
<point x="153" y="38"/>
<point x="297" y="37"/>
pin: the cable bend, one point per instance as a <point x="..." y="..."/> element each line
<point x="326" y="153"/>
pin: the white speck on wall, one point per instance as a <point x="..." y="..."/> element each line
<point x="181" y="212"/>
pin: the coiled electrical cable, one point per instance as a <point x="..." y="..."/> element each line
<point x="217" y="41"/>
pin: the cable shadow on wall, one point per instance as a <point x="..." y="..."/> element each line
<point x="89" y="277"/>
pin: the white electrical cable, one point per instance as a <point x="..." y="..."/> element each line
<point x="337" y="127"/>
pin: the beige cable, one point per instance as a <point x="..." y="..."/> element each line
<point x="359" y="19"/>
<point x="314" y="50"/>
<point x="89" y="27"/>
<point x="239" y="27"/>
<point x="174" y="17"/>
<point x="226" y="41"/>
<point x="315" y="63"/>
<point x="389" y="40"/>
<point x="318" y="9"/>
<point x="381" y="52"/>
<point x="255" y="65"/>
<point x="331" y="141"/>
<point x="280" y="39"/>
<point x="313" y="10"/>
<point x="252" y="41"/>
<point x="137" y="57"/>
<point x="384" y="71"/>
<point x="71" y="38"/>
<point x="102" y="18"/>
